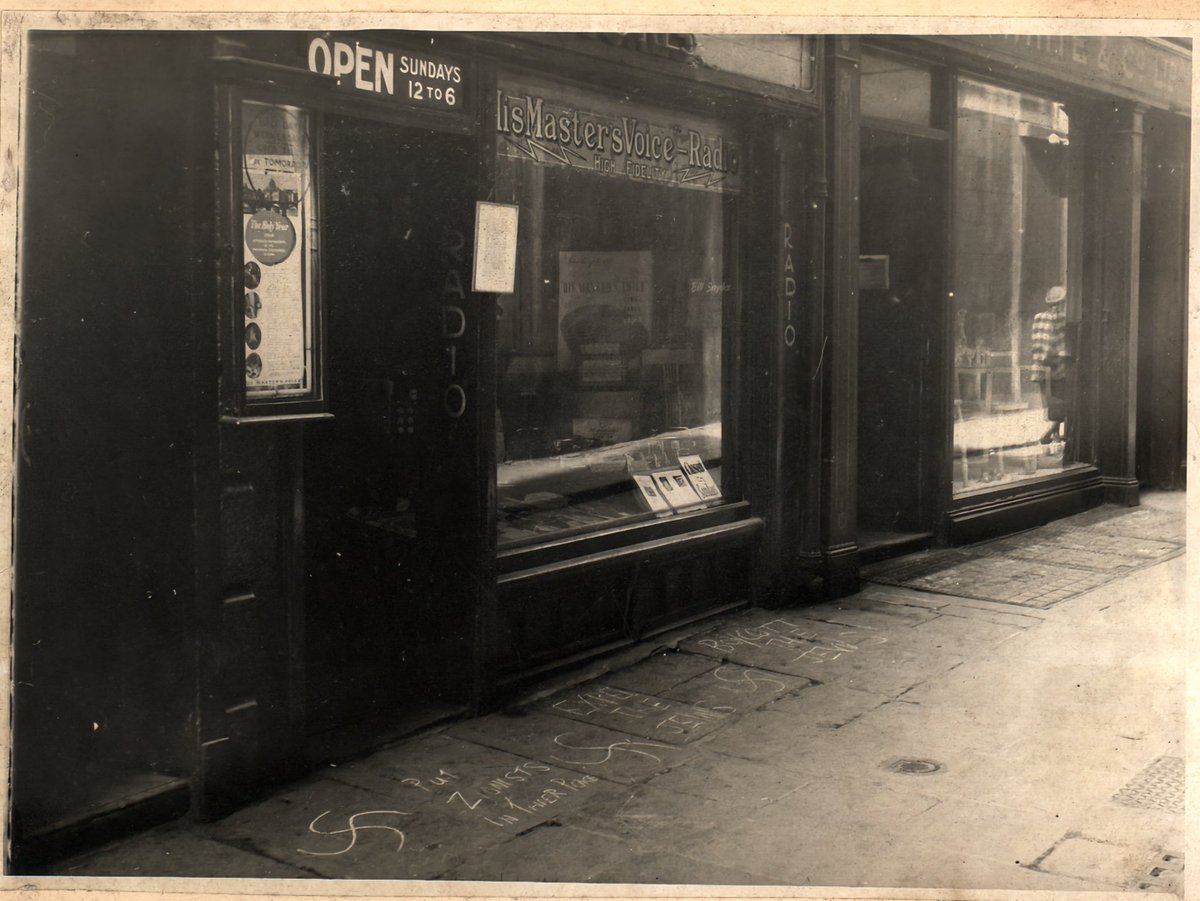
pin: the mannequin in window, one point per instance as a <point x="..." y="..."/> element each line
<point x="1050" y="358"/>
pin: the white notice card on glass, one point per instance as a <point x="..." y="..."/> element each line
<point x="699" y="476"/>
<point x="495" y="247"/>
<point x="654" y="500"/>
<point x="676" y="490"/>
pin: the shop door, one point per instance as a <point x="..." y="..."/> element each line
<point x="900" y="275"/>
<point x="392" y="499"/>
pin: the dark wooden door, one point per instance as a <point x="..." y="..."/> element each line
<point x="901" y="242"/>
<point x="392" y="487"/>
<point x="1162" y="309"/>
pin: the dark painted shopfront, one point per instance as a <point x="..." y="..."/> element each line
<point x="366" y="376"/>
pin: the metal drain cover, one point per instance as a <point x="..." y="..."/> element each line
<point x="913" y="766"/>
<point x="1158" y="787"/>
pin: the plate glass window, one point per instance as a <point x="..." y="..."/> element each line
<point x="1015" y="300"/>
<point x="610" y="361"/>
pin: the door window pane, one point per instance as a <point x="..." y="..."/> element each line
<point x="1015" y="303"/>
<point x="610" y="350"/>
<point x="892" y="89"/>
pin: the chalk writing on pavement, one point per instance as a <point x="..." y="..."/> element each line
<point x="604" y="701"/>
<point x="811" y="645"/>
<point x="625" y="745"/>
<point x="745" y="681"/>
<point x="521" y="792"/>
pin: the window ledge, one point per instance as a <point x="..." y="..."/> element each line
<point x="639" y="532"/>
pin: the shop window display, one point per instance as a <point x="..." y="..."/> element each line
<point x="1015" y="303"/>
<point x="610" y="349"/>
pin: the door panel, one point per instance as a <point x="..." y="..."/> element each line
<point x="249" y="723"/>
<point x="901" y="240"/>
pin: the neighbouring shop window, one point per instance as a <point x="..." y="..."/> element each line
<point x="610" y="349"/>
<point x="1015" y="299"/>
<point x="279" y="252"/>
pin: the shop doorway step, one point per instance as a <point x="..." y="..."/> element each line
<point x="876" y="546"/>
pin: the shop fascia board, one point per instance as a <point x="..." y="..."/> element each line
<point x="1023" y="67"/>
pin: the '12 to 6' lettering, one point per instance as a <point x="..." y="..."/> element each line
<point x="419" y="91"/>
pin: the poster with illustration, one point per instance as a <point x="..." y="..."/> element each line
<point x="276" y="226"/>
<point x="650" y="494"/>
<point x="604" y="311"/>
<point x="676" y="490"/>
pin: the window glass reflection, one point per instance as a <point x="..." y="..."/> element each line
<point x="610" y="350"/>
<point x="1015" y="306"/>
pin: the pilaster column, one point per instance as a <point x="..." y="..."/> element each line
<point x="1121" y="175"/>
<point x="841" y="338"/>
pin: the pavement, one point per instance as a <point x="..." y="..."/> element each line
<point x="1015" y="721"/>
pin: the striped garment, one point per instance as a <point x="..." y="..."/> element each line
<point x="1049" y="344"/>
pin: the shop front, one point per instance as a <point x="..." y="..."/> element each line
<point x="481" y="363"/>
<point x="1003" y="239"/>
<point x="483" y="377"/>
<point x="418" y="365"/>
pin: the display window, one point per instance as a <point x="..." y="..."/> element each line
<point x="1015" y="302"/>
<point x="611" y="347"/>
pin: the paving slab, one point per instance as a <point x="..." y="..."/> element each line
<point x="659" y="821"/>
<point x="730" y="780"/>
<point x="582" y="747"/>
<point x="1085" y="549"/>
<point x="829" y="706"/>
<point x="340" y="831"/>
<point x="1145" y="831"/>
<point x="993" y="613"/>
<point x="817" y="835"/>
<point x="898" y="675"/>
<point x="178" y="851"/>
<point x="766" y="736"/>
<point x="660" y="671"/>
<point x="858" y="611"/>
<point x="881" y="592"/>
<point x="1022" y="583"/>
<point x="1144" y="522"/>
<point x="647" y="716"/>
<point x="471" y="784"/>
<point x="1098" y="860"/>
<point x="961" y="743"/>
<point x="956" y="634"/>
<point x="977" y="829"/>
<point x="550" y="853"/>
<point x="732" y="688"/>
<point x="791" y="645"/>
